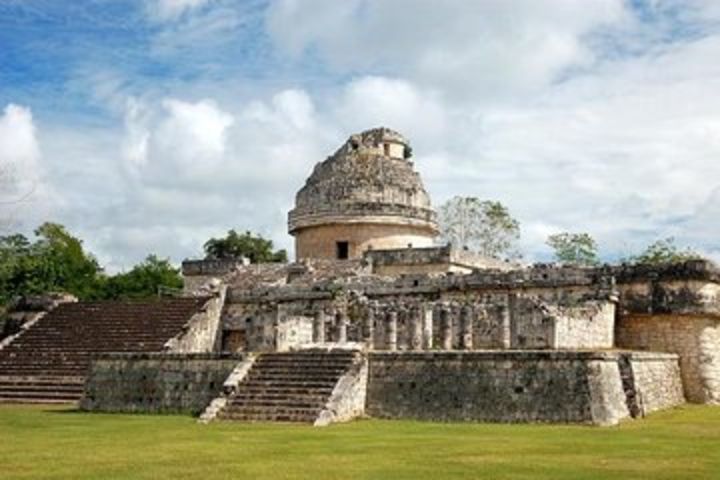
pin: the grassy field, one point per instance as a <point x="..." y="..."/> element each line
<point x="43" y="442"/>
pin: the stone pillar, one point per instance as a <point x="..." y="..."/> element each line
<point x="368" y="331"/>
<point x="446" y="335"/>
<point x="466" y="327"/>
<point x="392" y="330"/>
<point x="319" y="327"/>
<point x="415" y="327"/>
<point x="427" y="326"/>
<point x="342" y="324"/>
<point x="403" y="328"/>
<point x="506" y="315"/>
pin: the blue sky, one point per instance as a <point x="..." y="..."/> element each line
<point x="148" y="126"/>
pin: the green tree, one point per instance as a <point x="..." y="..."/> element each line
<point x="664" y="251"/>
<point x="143" y="280"/>
<point x="56" y="261"/>
<point x="234" y="245"/>
<point x="574" y="248"/>
<point x="483" y="226"/>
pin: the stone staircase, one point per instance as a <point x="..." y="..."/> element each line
<point x="48" y="362"/>
<point x="288" y="387"/>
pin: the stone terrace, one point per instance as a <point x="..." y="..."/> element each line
<point x="49" y="361"/>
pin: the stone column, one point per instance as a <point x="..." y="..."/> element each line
<point x="368" y="331"/>
<point x="505" y="314"/>
<point x="342" y="324"/>
<point x="446" y="335"/>
<point x="392" y="330"/>
<point x="415" y="327"/>
<point x="319" y="327"/>
<point x="466" y="327"/>
<point x="403" y="328"/>
<point x="427" y="326"/>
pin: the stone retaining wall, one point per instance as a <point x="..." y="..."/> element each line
<point x="657" y="381"/>
<point x="156" y="383"/>
<point x="511" y="386"/>
<point x="695" y="339"/>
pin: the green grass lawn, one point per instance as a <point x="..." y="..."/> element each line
<point x="44" y="442"/>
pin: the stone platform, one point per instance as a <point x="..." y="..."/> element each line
<point x="590" y="387"/>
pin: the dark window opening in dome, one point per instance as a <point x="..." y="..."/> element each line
<point x="343" y="250"/>
<point x="386" y="148"/>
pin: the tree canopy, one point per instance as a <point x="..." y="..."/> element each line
<point x="577" y="249"/>
<point x="482" y="226"/>
<point x="234" y="245"/>
<point x="664" y="251"/>
<point x="143" y="280"/>
<point x="57" y="262"/>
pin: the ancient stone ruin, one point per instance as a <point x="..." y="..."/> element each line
<point x="376" y="319"/>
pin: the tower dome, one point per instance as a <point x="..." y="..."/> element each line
<point x="365" y="196"/>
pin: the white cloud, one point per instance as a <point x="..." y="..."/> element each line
<point x="513" y="101"/>
<point x="478" y="49"/>
<point x="193" y="132"/>
<point x="191" y="169"/>
<point x="21" y="175"/>
<point x="374" y="101"/>
<point x="166" y="10"/>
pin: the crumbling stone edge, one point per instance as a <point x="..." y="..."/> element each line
<point x="229" y="389"/>
<point x="347" y="400"/>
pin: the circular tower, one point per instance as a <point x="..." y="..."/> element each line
<point x="365" y="196"/>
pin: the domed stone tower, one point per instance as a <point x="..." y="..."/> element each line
<point x="365" y="196"/>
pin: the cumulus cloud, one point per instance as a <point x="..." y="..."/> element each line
<point x="483" y="49"/>
<point x="21" y="176"/>
<point x="189" y="170"/>
<point x="600" y="118"/>
<point x="374" y="101"/>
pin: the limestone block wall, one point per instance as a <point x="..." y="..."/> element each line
<point x="293" y="331"/>
<point x="156" y="382"/>
<point x="590" y="325"/>
<point x="510" y="386"/>
<point x="695" y="339"/>
<point x="425" y="260"/>
<point x="656" y="381"/>
<point x="321" y="241"/>
<point x="202" y="332"/>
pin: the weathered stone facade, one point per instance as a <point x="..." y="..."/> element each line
<point x="510" y="386"/>
<point x="365" y="196"/>
<point x="156" y="382"/>
<point x="377" y="320"/>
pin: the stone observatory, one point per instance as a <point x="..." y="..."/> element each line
<point x="376" y="320"/>
<point x="366" y="196"/>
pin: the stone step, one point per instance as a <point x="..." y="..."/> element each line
<point x="297" y="383"/>
<point x="309" y="376"/>
<point x="41" y="395"/>
<point x="272" y="358"/>
<point x="40" y="387"/>
<point x="79" y="379"/>
<point x="268" y="417"/>
<point x="272" y="396"/>
<point x="289" y="390"/>
<point x="37" y="400"/>
<point x="295" y="372"/>
<point x="29" y="370"/>
<point x="272" y="404"/>
<point x="287" y="386"/>
<point x="305" y="415"/>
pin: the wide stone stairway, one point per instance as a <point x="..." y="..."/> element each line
<point x="48" y="362"/>
<point x="288" y="387"/>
